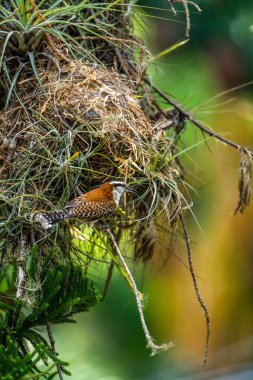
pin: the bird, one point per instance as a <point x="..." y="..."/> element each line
<point x="87" y="207"/>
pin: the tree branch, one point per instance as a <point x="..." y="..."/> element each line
<point x="150" y="343"/>
<point x="187" y="115"/>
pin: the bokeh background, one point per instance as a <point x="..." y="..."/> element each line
<point x="206" y="75"/>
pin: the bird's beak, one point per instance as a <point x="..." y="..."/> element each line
<point x="129" y="190"/>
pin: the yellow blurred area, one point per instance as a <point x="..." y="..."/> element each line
<point x="222" y="255"/>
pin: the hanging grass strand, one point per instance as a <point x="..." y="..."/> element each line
<point x="196" y="287"/>
<point x="22" y="257"/>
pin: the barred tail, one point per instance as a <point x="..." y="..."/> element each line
<point x="48" y="219"/>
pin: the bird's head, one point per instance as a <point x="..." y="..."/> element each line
<point x="119" y="188"/>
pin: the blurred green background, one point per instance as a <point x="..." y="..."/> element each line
<point x="108" y="343"/>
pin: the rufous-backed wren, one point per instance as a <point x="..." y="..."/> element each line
<point x="88" y="207"/>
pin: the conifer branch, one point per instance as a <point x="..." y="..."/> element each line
<point x="150" y="343"/>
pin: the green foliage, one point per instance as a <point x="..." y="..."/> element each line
<point x="25" y="24"/>
<point x="31" y="31"/>
<point x="64" y="292"/>
<point x="14" y="365"/>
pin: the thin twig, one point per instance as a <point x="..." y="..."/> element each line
<point x="150" y="343"/>
<point x="196" y="122"/>
<point x="195" y="283"/>
<point x="187" y="12"/>
<point x="172" y="7"/>
<point x="52" y="344"/>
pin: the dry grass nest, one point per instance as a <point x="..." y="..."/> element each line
<point x="82" y="125"/>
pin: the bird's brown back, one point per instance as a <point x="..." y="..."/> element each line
<point x="92" y="205"/>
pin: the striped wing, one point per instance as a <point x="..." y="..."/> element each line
<point x="82" y="209"/>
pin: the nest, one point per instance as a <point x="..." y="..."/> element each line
<point x="82" y="124"/>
